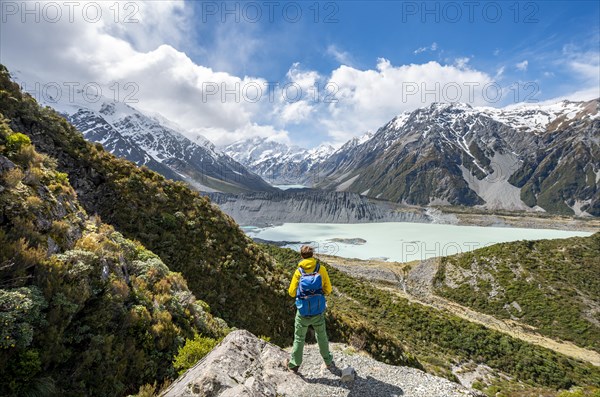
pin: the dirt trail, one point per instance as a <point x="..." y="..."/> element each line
<point x="414" y="281"/>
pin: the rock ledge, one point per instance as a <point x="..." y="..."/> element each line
<point x="244" y="365"/>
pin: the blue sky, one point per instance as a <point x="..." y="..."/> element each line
<point x="370" y="54"/>
<point x="523" y="31"/>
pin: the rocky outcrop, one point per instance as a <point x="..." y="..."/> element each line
<point x="309" y="206"/>
<point x="244" y="365"/>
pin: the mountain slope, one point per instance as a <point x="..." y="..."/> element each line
<point x="155" y="143"/>
<point x="306" y="206"/>
<point x="399" y="331"/>
<point x="524" y="158"/>
<point x="220" y="263"/>
<point x="76" y="297"/>
<point x="278" y="163"/>
<point x="245" y="285"/>
<point x="551" y="285"/>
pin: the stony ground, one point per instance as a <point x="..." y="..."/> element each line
<point x="245" y="366"/>
<point x="373" y="379"/>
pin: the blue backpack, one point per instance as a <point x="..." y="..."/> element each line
<point x="310" y="300"/>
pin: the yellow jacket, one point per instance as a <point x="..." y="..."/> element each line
<point x="309" y="265"/>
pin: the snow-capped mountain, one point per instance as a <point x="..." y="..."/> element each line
<point x="524" y="157"/>
<point x="155" y="142"/>
<point x="278" y="163"/>
<point x="540" y="157"/>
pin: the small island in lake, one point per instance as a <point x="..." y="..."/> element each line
<point x="352" y="241"/>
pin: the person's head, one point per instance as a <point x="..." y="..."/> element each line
<point x="306" y="251"/>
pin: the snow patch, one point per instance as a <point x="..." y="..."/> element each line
<point x="345" y="185"/>
<point x="577" y="208"/>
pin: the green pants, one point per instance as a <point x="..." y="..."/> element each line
<point x="301" y="327"/>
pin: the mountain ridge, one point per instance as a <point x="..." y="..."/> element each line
<point x="153" y="141"/>
<point x="524" y="158"/>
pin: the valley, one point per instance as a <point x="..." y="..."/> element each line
<point x="527" y="158"/>
<point x="169" y="170"/>
<point x="415" y="282"/>
<point x="49" y="171"/>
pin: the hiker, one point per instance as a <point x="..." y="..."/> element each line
<point x="309" y="286"/>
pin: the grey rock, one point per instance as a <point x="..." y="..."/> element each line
<point x="244" y="365"/>
<point x="53" y="248"/>
<point x="348" y="374"/>
<point x="6" y="164"/>
<point x="241" y="365"/>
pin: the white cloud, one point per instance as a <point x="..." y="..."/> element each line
<point x="585" y="67"/>
<point x="522" y="65"/>
<point x="499" y="73"/>
<point x="462" y="63"/>
<point x="432" y="47"/>
<point x="222" y="137"/>
<point x="169" y="82"/>
<point x="147" y="53"/>
<point x="306" y="79"/>
<point x="342" y="57"/>
<point x="369" y="98"/>
<point x="296" y="112"/>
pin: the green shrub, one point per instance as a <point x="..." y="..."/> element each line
<point x="16" y="141"/>
<point x="575" y="392"/>
<point x="193" y="350"/>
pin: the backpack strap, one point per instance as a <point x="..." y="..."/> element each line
<point x="302" y="272"/>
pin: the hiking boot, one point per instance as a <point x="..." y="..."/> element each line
<point x="292" y="369"/>
<point x="329" y="367"/>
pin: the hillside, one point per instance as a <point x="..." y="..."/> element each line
<point x="221" y="265"/>
<point x="398" y="331"/>
<point x="530" y="157"/>
<point x="551" y="285"/>
<point x="242" y="282"/>
<point x="305" y="206"/>
<point x="523" y="158"/>
<point x="76" y="297"/>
